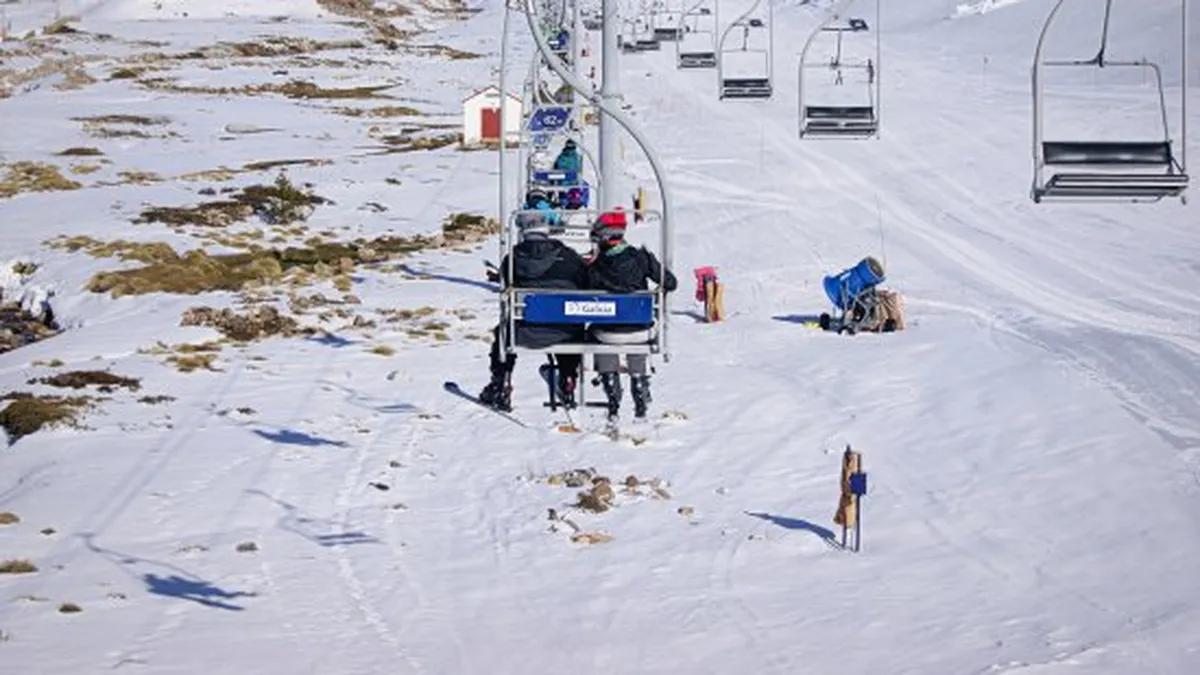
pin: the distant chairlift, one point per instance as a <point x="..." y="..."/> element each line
<point x="667" y="21"/>
<point x="845" y="121"/>
<point x="698" y="46"/>
<point x="1138" y="170"/>
<point x="748" y="87"/>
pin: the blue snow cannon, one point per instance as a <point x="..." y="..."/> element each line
<point x="845" y="288"/>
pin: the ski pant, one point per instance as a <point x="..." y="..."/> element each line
<point x="611" y="363"/>
<point x="535" y="337"/>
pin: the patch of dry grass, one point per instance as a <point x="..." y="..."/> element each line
<point x="17" y="567"/>
<point x="383" y="350"/>
<point x="80" y="152"/>
<point x="34" y="177"/>
<point x="27" y="414"/>
<point x="9" y="518"/>
<point x="78" y="379"/>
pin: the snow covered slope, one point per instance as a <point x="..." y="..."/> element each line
<point x="1033" y="439"/>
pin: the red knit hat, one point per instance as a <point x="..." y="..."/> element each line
<point x="610" y="227"/>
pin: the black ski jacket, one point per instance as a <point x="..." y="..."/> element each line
<point x="626" y="272"/>
<point x="629" y="271"/>
<point x="541" y="262"/>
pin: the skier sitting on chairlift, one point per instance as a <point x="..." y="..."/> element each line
<point x="538" y="201"/>
<point x="538" y="261"/>
<point x="569" y="159"/>
<point x="621" y="268"/>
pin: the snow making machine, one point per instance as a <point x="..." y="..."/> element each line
<point x="852" y="106"/>
<point x="1148" y="168"/>
<point x="755" y="51"/>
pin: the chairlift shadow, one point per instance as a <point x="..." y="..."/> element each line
<point x="358" y="400"/>
<point x="320" y="531"/>
<point x="450" y="278"/>
<point x="692" y="314"/>
<point x="331" y="340"/>
<point x="196" y="590"/>
<point x="800" y="524"/>
<point x="802" y="319"/>
<point x="292" y="437"/>
<point x="176" y="582"/>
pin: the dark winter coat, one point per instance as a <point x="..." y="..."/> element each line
<point x="541" y="262"/>
<point x="627" y="271"/>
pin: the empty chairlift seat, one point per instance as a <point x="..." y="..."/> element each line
<point x="746" y="87"/>
<point x="706" y="59"/>
<point x="1131" y="170"/>
<point x="1094" y="170"/>
<point x="840" y="120"/>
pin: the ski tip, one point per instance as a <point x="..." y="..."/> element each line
<point x="450" y="384"/>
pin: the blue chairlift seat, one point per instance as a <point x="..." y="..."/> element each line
<point x="553" y="307"/>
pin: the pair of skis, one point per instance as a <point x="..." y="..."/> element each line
<point x="611" y="428"/>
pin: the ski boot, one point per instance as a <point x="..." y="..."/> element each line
<point x="497" y="394"/>
<point x="612" y="389"/>
<point x="566" y="389"/>
<point x="639" y="388"/>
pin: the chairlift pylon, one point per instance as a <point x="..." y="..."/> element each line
<point x="854" y="120"/>
<point x="754" y="86"/>
<point x="1130" y="170"/>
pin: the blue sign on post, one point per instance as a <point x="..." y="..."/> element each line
<point x="549" y="119"/>
<point x="858" y="484"/>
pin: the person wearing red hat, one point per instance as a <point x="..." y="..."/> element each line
<point x="621" y="268"/>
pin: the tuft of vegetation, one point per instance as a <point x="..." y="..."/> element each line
<point x="34" y="177"/>
<point x="69" y="608"/>
<point x="156" y="400"/>
<point x="17" y="567"/>
<point x="247" y="547"/>
<point x="27" y="414"/>
<point x="256" y="324"/>
<point x="134" y="120"/>
<point x="280" y="204"/>
<point x="188" y="363"/>
<point x="194" y="272"/>
<point x="52" y="363"/>
<point x="78" y="379"/>
<point x="9" y="518"/>
<point x="61" y="27"/>
<point x="126" y="74"/>
<point x="80" y="152"/>
<point x="381" y="112"/>
<point x="383" y="350"/>
<point x="152" y="252"/>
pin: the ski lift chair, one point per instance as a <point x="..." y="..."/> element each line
<point x="748" y="87"/>
<point x="1134" y="170"/>
<point x="855" y="300"/>
<point x="585" y="309"/>
<point x="859" y="120"/>
<point x="687" y="55"/>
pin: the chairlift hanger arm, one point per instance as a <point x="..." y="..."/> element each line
<point x="620" y="118"/>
